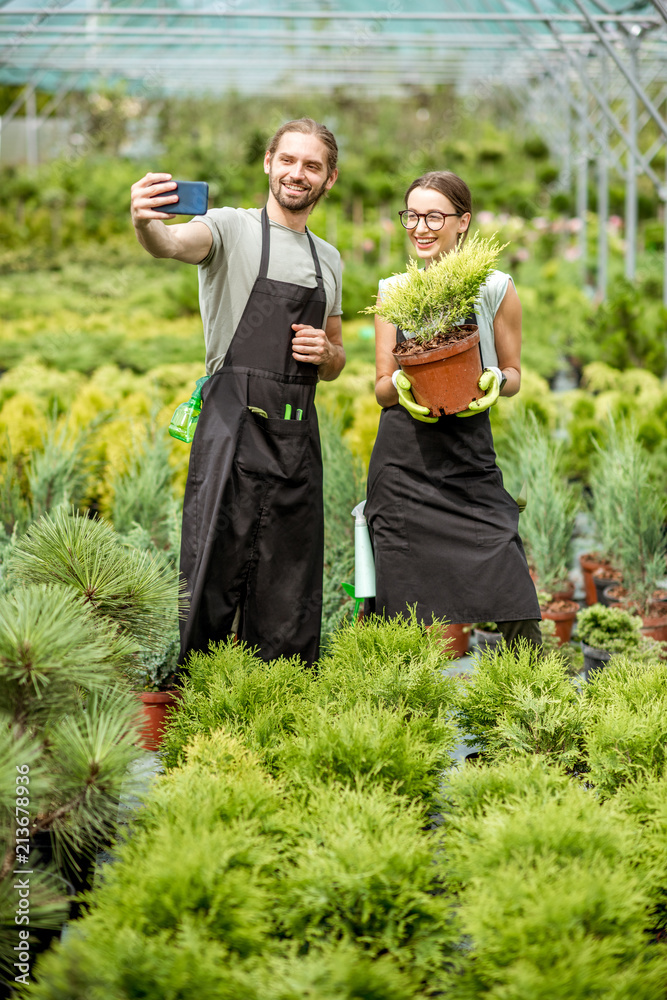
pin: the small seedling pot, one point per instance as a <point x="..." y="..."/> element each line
<point x="444" y="378"/>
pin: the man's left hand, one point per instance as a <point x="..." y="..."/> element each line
<point x="311" y="345"/>
<point x="489" y="380"/>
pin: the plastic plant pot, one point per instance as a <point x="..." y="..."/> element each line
<point x="444" y="378"/>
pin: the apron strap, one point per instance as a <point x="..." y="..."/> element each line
<point x="266" y="246"/>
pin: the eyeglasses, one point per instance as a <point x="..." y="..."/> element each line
<point x="434" y="220"/>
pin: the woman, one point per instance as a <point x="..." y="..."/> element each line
<point x="444" y="529"/>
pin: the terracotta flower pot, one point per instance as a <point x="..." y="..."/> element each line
<point x="655" y="625"/>
<point x="590" y="562"/>
<point x="156" y="705"/>
<point x="445" y="377"/>
<point x="563" y="591"/>
<point x="459" y="636"/>
<point x="563" y="614"/>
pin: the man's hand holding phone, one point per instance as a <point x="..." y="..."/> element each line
<point x="157" y="198"/>
<point x="151" y="197"/>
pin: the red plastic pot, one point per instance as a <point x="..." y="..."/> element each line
<point x="156" y="706"/>
<point x="445" y="378"/>
<point x="563" y="614"/>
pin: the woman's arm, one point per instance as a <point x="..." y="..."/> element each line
<point x="385" y="365"/>
<point x="507" y="335"/>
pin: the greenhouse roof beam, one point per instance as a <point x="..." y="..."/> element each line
<point x="627" y="73"/>
<point x="661" y="7"/>
<point x="606" y="110"/>
<point x="331" y="15"/>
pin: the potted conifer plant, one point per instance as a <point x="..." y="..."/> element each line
<point x="547" y="522"/>
<point x="441" y="355"/>
<point x="605" y="632"/>
<point x="637" y="511"/>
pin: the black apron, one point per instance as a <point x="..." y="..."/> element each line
<point x="253" y="531"/>
<point x="444" y="529"/>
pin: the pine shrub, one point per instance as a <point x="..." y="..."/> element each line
<point x="125" y="586"/>
<point x="362" y="872"/>
<point x="142" y="495"/>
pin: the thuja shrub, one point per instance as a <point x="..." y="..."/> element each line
<point x="399" y="750"/>
<point x="362" y="871"/>
<point x="644" y="804"/>
<point x="230" y="687"/>
<point x="520" y="701"/>
<point x="229" y="883"/>
<point x="187" y="906"/>
<point x="394" y="662"/>
<point x="626" y="737"/>
<point x="547" y="897"/>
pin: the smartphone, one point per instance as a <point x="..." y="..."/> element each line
<point x="192" y="199"/>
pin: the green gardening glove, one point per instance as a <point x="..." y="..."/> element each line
<point x="406" y="399"/>
<point x="489" y="380"/>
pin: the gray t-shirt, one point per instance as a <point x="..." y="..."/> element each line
<point x="227" y="274"/>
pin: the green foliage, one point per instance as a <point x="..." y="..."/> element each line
<point x="547" y="523"/>
<point x="394" y="663"/>
<point x="432" y="300"/>
<point x="629" y="330"/>
<point x="143" y="494"/>
<point x="58" y="474"/>
<point x="343" y="488"/>
<point x="232" y="688"/>
<point x="612" y="629"/>
<point x="630" y="512"/>
<point x="627" y="732"/>
<point x="51" y="644"/>
<point x="519" y="701"/>
<point x="399" y="750"/>
<point x="546" y="906"/>
<point x="362" y="871"/>
<point x="121" y="585"/>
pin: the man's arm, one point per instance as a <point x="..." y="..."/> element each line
<point x="323" y="348"/>
<point x="189" y="243"/>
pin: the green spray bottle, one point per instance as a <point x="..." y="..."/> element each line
<point x="186" y="415"/>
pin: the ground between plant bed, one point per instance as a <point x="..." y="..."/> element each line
<point x="291" y="850"/>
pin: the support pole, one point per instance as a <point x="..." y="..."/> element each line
<point x="603" y="194"/>
<point x="631" y="175"/>
<point x="31" y="129"/>
<point x="582" y="188"/>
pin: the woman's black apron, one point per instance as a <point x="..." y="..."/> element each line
<point x="444" y="529"/>
<point x="253" y="534"/>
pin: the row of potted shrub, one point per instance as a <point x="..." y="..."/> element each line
<point x="313" y="838"/>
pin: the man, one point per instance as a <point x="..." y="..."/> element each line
<point x="270" y="297"/>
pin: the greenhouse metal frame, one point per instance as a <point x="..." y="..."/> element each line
<point x="589" y="75"/>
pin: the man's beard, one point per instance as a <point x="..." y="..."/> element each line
<point x="295" y="204"/>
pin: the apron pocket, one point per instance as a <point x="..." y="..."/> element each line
<point x="385" y="511"/>
<point x="274" y="448"/>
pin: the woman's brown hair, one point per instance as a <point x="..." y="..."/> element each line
<point x="452" y="186"/>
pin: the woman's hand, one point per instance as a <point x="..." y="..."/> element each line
<point x="489" y="380"/>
